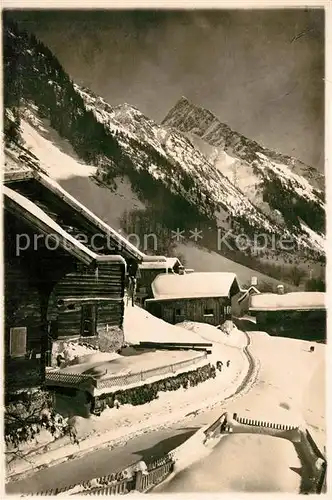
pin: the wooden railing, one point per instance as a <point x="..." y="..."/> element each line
<point x="157" y="472"/>
<point x="134" y="478"/>
<point x="261" y="423"/>
<point x="70" y="379"/>
<point x="169" y="346"/>
<point x="74" y="379"/>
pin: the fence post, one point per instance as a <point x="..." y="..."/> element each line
<point x="138" y="480"/>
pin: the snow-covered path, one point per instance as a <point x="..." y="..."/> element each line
<point x="290" y="389"/>
<point x="170" y="407"/>
<point x="284" y="363"/>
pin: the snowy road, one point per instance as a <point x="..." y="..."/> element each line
<point x="287" y="368"/>
<point x="105" y="461"/>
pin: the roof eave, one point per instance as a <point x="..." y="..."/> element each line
<point x="280" y="309"/>
<point x="164" y="298"/>
<point x="110" y="258"/>
<point x="16" y="176"/>
<point x="86" y="257"/>
<point x="122" y="244"/>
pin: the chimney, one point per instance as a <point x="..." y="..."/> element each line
<point x="254" y="281"/>
<point x="280" y="289"/>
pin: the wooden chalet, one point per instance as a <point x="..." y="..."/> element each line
<point x="64" y="276"/>
<point x="241" y="301"/>
<point x="203" y="297"/>
<point x="149" y="270"/>
<point x="300" y="315"/>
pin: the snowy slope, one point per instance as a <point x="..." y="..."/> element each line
<point x="202" y="125"/>
<point x="152" y="175"/>
<point x="58" y="164"/>
<point x="57" y="158"/>
<point x="61" y="163"/>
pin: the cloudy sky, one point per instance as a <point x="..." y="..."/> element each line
<point x="261" y="72"/>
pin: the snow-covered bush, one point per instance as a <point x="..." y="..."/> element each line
<point x="27" y="413"/>
<point x="148" y="392"/>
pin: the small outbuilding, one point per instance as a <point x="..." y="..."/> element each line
<point x="299" y="315"/>
<point x="149" y="270"/>
<point x="241" y="301"/>
<point x="198" y="296"/>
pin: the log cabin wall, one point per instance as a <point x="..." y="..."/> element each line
<point x="55" y="274"/>
<point x="98" y="293"/>
<point x="242" y="308"/>
<point x="23" y="308"/>
<point x="30" y="275"/>
<point x="211" y="310"/>
<point x="305" y="325"/>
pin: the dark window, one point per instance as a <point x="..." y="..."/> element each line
<point x="89" y="320"/>
<point x="18" y="342"/>
<point x="227" y="310"/>
<point x="179" y="312"/>
<point x="208" y="312"/>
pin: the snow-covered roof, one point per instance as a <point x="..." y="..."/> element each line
<point x="251" y="290"/>
<point x="194" y="285"/>
<point x="14" y="168"/>
<point x="122" y="242"/>
<point x="35" y="215"/>
<point x="168" y="263"/>
<point x="154" y="258"/>
<point x="301" y="301"/>
<point x="20" y="172"/>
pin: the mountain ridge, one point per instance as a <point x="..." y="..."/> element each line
<point x="179" y="185"/>
<point x="184" y="105"/>
<point x="251" y="167"/>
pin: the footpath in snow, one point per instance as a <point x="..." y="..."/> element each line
<point x="116" y="426"/>
<point x="289" y="389"/>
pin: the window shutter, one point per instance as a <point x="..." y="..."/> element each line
<point x="18" y="342"/>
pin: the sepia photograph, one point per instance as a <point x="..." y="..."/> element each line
<point x="164" y="250"/>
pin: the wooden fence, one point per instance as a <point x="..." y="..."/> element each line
<point x="130" y="479"/>
<point x="156" y="473"/>
<point x="59" y="378"/>
<point x="261" y="423"/>
<point x="69" y="379"/>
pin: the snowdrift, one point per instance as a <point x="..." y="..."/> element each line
<point x="141" y="326"/>
<point x="228" y="334"/>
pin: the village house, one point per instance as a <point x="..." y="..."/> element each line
<point x="199" y="296"/>
<point x="148" y="271"/>
<point x="295" y="314"/>
<point x="65" y="273"/>
<point x="241" y="301"/>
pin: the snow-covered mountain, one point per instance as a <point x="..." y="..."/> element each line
<point x="266" y="177"/>
<point x="178" y="164"/>
<point x="201" y="176"/>
<point x="177" y="182"/>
